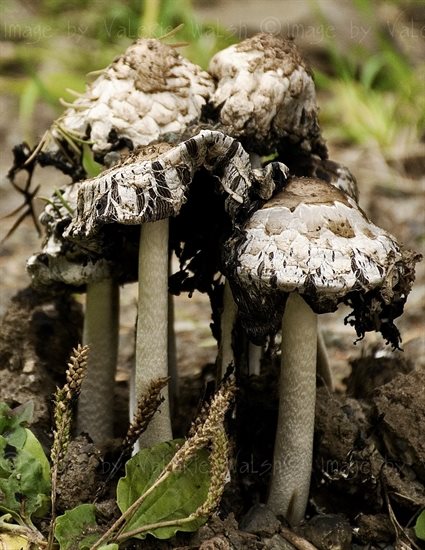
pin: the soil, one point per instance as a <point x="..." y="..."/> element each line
<point x="369" y="455"/>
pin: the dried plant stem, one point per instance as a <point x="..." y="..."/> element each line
<point x="297" y="541"/>
<point x="144" y="528"/>
<point x="64" y="401"/>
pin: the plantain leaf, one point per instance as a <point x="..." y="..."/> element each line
<point x="420" y="526"/>
<point x="177" y="497"/>
<point x="77" y="528"/>
<point x="24" y="468"/>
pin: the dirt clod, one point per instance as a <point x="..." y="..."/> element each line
<point x="400" y="406"/>
<point x="78" y="479"/>
<point x="328" y="532"/>
<point x="260" y="520"/>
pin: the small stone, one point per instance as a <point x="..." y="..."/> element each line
<point x="216" y="543"/>
<point x="260" y="520"/>
<point x="374" y="528"/>
<point x="277" y="543"/>
<point x="328" y="532"/>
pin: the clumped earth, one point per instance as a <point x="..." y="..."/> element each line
<point x="369" y="462"/>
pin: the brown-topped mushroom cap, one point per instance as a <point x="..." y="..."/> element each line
<point x="313" y="239"/>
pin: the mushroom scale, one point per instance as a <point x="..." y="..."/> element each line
<point x="314" y="239"/>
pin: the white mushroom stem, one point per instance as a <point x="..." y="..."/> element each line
<point x="172" y="355"/>
<point x="152" y="324"/>
<point x="228" y="320"/>
<point x="255" y="353"/>
<point x="227" y="323"/>
<point x="95" y="405"/>
<point x="323" y="365"/>
<point x="293" y="451"/>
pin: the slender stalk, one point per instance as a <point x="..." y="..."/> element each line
<point x="227" y="322"/>
<point x="152" y="325"/>
<point x="254" y="352"/>
<point x="254" y="358"/>
<point x="293" y="450"/>
<point x="172" y="355"/>
<point x="323" y="365"/>
<point x="149" y="19"/>
<point x="157" y="525"/>
<point x="95" y="405"/>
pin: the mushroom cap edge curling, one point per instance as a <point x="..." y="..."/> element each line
<point x="313" y="239"/>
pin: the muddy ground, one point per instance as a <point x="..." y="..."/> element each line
<point x="369" y="463"/>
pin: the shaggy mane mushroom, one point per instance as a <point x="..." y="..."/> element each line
<point x="305" y="251"/>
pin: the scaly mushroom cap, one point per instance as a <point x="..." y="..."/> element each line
<point x="313" y="239"/>
<point x="62" y="262"/>
<point x="145" y="93"/>
<point x="140" y="190"/>
<point x="266" y="96"/>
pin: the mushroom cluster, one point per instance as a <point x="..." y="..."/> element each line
<point x="286" y="234"/>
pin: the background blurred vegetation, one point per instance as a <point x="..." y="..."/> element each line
<point x="367" y="96"/>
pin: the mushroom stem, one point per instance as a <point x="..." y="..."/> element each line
<point x="293" y="451"/>
<point x="172" y="356"/>
<point x="255" y="354"/>
<point x="152" y="324"/>
<point x="323" y="365"/>
<point x="95" y="405"/>
<point x="227" y="323"/>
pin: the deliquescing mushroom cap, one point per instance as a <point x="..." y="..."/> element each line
<point x="62" y="262"/>
<point x="148" y="91"/>
<point x="265" y="93"/>
<point x="313" y="239"/>
<point x="142" y="190"/>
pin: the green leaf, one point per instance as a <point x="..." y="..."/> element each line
<point x="91" y="167"/>
<point x="13" y="422"/>
<point x="177" y="497"/>
<point x="77" y="529"/>
<point x="112" y="546"/>
<point x="24" y="468"/>
<point x="420" y="526"/>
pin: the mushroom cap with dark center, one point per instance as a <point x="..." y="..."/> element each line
<point x="326" y="170"/>
<point x="313" y="239"/>
<point x="265" y="95"/>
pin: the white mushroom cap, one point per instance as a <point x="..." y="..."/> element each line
<point x="265" y="93"/>
<point x="313" y="239"/>
<point x="145" y="93"/>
